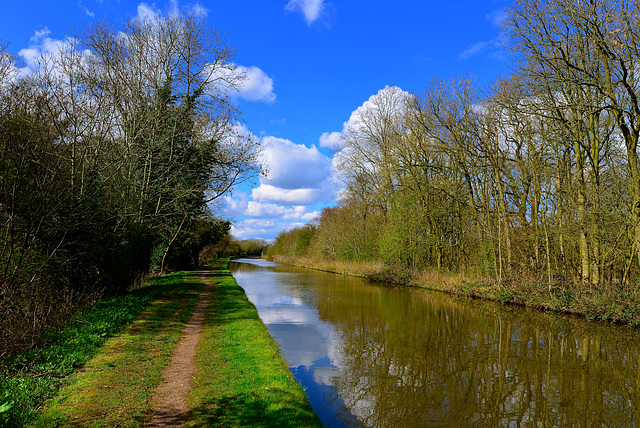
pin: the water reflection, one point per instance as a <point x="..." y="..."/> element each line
<point x="381" y="357"/>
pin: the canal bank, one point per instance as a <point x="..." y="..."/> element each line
<point x="610" y="302"/>
<point x="240" y="378"/>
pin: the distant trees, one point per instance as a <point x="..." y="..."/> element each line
<point x="110" y="154"/>
<point x="295" y="242"/>
<point x="538" y="175"/>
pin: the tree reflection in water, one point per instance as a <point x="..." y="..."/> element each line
<point x="407" y="358"/>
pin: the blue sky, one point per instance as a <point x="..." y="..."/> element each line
<point x="310" y="64"/>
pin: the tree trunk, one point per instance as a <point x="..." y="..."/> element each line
<point x="175" y="235"/>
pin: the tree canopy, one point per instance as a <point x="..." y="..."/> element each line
<point x="111" y="153"/>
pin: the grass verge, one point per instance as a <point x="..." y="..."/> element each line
<point x="242" y="380"/>
<point x="124" y="370"/>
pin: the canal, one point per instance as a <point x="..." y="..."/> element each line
<point x="376" y="356"/>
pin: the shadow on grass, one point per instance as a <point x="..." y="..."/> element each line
<point x="148" y="313"/>
<point x="277" y="408"/>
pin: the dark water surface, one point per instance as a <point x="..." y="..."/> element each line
<point x="375" y="356"/>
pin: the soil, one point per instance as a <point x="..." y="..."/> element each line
<point x="170" y="397"/>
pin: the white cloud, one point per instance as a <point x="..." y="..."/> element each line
<point x="497" y="17"/>
<point x="175" y="9"/>
<point x="147" y="13"/>
<point x="200" y="10"/>
<point x="153" y="14"/>
<point x="298" y="178"/>
<point x="86" y="10"/>
<point x="475" y="49"/>
<point x="254" y="229"/>
<point x="493" y="46"/>
<point x="249" y="230"/>
<point x="41" y="47"/>
<point x="311" y="9"/>
<point x="268" y="193"/>
<point x="239" y="81"/>
<point x="242" y="206"/>
<point x="340" y="157"/>
<point x="257" y="86"/>
<point x="296" y="213"/>
<point x="236" y="204"/>
<point x="389" y="97"/>
<point x="264" y="220"/>
<point x="388" y="102"/>
<point x="332" y="140"/>
<point x="293" y="166"/>
<point x="259" y="223"/>
<point x="259" y="210"/>
<point x="310" y="216"/>
<point x="262" y="229"/>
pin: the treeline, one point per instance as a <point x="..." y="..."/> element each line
<point x="228" y="246"/>
<point x="111" y="152"/>
<point x="536" y="177"/>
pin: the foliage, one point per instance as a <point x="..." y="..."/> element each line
<point x="111" y="153"/>
<point x="295" y="242"/>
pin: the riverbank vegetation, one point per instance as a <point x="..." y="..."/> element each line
<point x="112" y="152"/>
<point x="528" y="191"/>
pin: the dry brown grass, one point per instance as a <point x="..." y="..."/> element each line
<point x="446" y="281"/>
<point x="606" y="302"/>
<point x="359" y="269"/>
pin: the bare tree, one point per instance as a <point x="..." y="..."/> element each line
<point x="586" y="53"/>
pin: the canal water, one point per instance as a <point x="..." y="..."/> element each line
<point x="376" y="356"/>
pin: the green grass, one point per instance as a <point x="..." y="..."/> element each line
<point x="242" y="380"/>
<point x="28" y="380"/>
<point x="102" y="370"/>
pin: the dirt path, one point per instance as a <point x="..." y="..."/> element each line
<point x="170" y="397"/>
